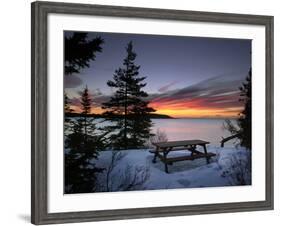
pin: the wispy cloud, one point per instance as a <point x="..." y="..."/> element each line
<point x="166" y="87"/>
<point x="218" y="96"/>
<point x="220" y="93"/>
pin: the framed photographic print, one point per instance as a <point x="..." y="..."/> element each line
<point x="140" y="112"/>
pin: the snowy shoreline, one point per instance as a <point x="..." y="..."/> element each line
<point x="136" y="165"/>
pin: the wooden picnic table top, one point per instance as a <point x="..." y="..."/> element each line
<point x="180" y="143"/>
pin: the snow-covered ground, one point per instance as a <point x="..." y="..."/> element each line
<point x="134" y="170"/>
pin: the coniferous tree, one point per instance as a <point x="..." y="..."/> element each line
<point x="245" y="117"/>
<point x="86" y="102"/>
<point x="79" y="51"/>
<point x="243" y="130"/>
<point x="67" y="108"/>
<point x="127" y="109"/>
<point x="83" y="145"/>
<point x="82" y="140"/>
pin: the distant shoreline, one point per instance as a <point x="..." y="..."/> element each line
<point x="152" y="116"/>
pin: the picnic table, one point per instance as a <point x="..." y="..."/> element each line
<point x="164" y="148"/>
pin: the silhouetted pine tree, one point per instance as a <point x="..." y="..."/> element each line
<point x="67" y="108"/>
<point x="245" y="117"/>
<point x="243" y="130"/>
<point x="127" y="109"/>
<point x="82" y="142"/>
<point x="86" y="102"/>
<point x="79" y="50"/>
<point x="83" y="145"/>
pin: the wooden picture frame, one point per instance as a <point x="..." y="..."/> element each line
<point x="39" y="209"/>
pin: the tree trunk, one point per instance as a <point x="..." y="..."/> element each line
<point x="125" y="115"/>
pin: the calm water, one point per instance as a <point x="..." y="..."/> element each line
<point x="187" y="129"/>
<point x="179" y="129"/>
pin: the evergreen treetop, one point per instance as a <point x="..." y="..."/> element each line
<point x="127" y="108"/>
<point x="79" y="51"/>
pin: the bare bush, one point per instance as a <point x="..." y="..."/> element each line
<point x="217" y="158"/>
<point x="134" y="178"/>
<point x="116" y="156"/>
<point x="239" y="169"/>
<point x="122" y="178"/>
<point x="230" y="126"/>
<point x="160" y="136"/>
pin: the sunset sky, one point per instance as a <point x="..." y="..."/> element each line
<point x="186" y="76"/>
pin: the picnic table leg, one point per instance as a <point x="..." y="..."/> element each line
<point x="192" y="148"/>
<point x="206" y="153"/>
<point x="165" y="162"/>
<point x="165" y="153"/>
<point x="155" y="155"/>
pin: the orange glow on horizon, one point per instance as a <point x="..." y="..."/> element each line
<point x="94" y="110"/>
<point x="201" y="113"/>
<point x="198" y="112"/>
<point x="200" y="108"/>
<point x="203" y="107"/>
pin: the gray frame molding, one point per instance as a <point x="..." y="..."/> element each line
<point x="39" y="194"/>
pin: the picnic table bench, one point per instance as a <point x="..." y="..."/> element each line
<point x="163" y="148"/>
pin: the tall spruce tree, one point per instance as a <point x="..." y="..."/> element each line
<point x="86" y="102"/>
<point x="245" y="117"/>
<point x="243" y="128"/>
<point x="83" y="145"/>
<point x="127" y="109"/>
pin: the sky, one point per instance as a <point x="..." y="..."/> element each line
<point x="187" y="77"/>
